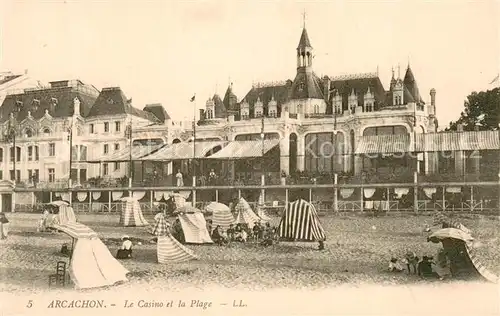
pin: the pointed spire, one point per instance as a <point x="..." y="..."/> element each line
<point x="304" y="19"/>
<point x="304" y="40"/>
<point x="399" y="71"/>
<point x="392" y="69"/>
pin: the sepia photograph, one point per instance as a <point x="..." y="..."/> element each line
<point x="270" y="157"/>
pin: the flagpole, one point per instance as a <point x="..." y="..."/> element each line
<point x="130" y="166"/>
<point x="193" y="99"/>
<point x="70" y="150"/>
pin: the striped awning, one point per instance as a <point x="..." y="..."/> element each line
<point x="245" y="149"/>
<point x="138" y="151"/>
<point x="453" y="141"/>
<point x="383" y="144"/>
<point x="184" y="150"/>
<point x="76" y="230"/>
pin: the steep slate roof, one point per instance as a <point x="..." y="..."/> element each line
<point x="280" y="93"/>
<point x="411" y="83"/>
<point x="8" y="78"/>
<point x="157" y="110"/>
<point x="220" y="108"/>
<point x="360" y="86"/>
<point x="230" y="100"/>
<point x="306" y="86"/>
<point x="112" y="101"/>
<point x="46" y="97"/>
<point x="304" y="40"/>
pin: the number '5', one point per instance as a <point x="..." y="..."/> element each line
<point x="30" y="304"/>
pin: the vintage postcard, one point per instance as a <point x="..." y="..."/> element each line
<point x="168" y="157"/>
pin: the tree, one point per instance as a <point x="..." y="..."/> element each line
<point x="481" y="109"/>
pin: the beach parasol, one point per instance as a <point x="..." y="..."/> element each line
<point x="216" y="207"/>
<point x="452" y="233"/>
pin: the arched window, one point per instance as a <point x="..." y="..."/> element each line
<point x="28" y="132"/>
<point x="46" y="131"/>
<point x="316" y="109"/>
<point x="1" y="154"/>
<point x="210" y="114"/>
<point x="18" y="154"/>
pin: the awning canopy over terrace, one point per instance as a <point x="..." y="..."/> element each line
<point x="138" y="151"/>
<point x="184" y="150"/>
<point x="430" y="142"/>
<point x="245" y="149"/>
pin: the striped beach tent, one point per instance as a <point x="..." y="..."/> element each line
<point x="446" y="222"/>
<point x="221" y="214"/>
<point x="131" y="214"/>
<point x="169" y="250"/>
<point x="194" y="228"/>
<point x="300" y="222"/>
<point x="91" y="263"/>
<point x="245" y="214"/>
<point x="454" y="241"/>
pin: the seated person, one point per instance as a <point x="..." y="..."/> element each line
<point x="240" y="234"/>
<point x="125" y="252"/>
<point x="411" y="261"/>
<point x="230" y="232"/>
<point x="394" y="265"/>
<point x="218" y="236"/>
<point x="425" y="269"/>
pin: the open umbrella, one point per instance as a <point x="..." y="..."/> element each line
<point x="59" y="203"/>
<point x="187" y="209"/>
<point x="452" y="233"/>
<point x="216" y="207"/>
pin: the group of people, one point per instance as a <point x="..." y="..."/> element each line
<point x="265" y="234"/>
<point x="212" y="178"/>
<point x="427" y="267"/>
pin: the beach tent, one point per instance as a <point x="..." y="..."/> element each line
<point x="193" y="225"/>
<point x="221" y="215"/>
<point x="262" y="214"/>
<point x="300" y="222"/>
<point x="169" y="250"/>
<point x="131" y="214"/>
<point x="245" y="215"/>
<point x="64" y="213"/>
<point x="458" y="245"/>
<point x="91" y="263"/>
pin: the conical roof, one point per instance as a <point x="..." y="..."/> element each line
<point x="304" y="40"/>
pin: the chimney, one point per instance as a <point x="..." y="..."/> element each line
<point x="433" y="97"/>
<point x="460" y="127"/>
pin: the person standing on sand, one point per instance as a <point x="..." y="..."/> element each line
<point x="180" y="178"/>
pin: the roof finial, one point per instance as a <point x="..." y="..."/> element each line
<point x="392" y="69"/>
<point x="408" y="61"/>
<point x="304" y="19"/>
<point x="399" y="71"/>
<point x="377" y="70"/>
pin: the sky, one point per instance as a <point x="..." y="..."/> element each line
<point x="166" y="51"/>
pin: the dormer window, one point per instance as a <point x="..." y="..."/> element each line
<point x="46" y="131"/>
<point x="369" y="107"/>
<point x="35" y="104"/>
<point x="258" y="113"/>
<point x="316" y="109"/>
<point x="28" y="133"/>
<point x="110" y="101"/>
<point x="272" y="113"/>
<point x="210" y="114"/>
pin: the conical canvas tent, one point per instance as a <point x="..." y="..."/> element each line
<point x="245" y="214"/>
<point x="221" y="215"/>
<point x="91" y="263"/>
<point x="458" y="245"/>
<point x="300" y="222"/>
<point x="66" y="215"/>
<point x="262" y="214"/>
<point x="194" y="228"/>
<point x="131" y="214"/>
<point x="169" y="250"/>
